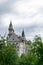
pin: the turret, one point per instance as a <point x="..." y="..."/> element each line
<point x="23" y="36"/>
<point x="11" y="30"/>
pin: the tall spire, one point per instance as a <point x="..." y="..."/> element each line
<point x="11" y="30"/>
<point x="10" y="26"/>
<point x="23" y="34"/>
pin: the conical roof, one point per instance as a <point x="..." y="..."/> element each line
<point x="10" y="26"/>
<point x="23" y="34"/>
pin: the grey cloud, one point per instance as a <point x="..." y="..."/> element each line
<point x="3" y="30"/>
<point x="40" y="10"/>
<point x="33" y="28"/>
<point x="29" y="30"/>
<point x="6" y="7"/>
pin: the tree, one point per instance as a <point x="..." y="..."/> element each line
<point x="23" y="60"/>
<point x="8" y="55"/>
<point x="37" y="50"/>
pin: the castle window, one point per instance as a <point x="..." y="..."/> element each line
<point x="16" y="43"/>
<point x="13" y="39"/>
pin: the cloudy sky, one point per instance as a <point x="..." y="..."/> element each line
<point x="24" y="14"/>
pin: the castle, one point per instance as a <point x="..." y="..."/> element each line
<point x="18" y="41"/>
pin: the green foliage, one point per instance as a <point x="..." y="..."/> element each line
<point x="23" y="60"/>
<point x="8" y="54"/>
<point x="37" y="50"/>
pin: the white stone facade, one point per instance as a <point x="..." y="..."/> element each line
<point x="19" y="42"/>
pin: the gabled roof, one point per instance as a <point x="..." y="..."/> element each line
<point x="14" y="38"/>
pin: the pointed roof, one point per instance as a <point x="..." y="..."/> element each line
<point x="11" y="26"/>
<point x="23" y="34"/>
<point x="14" y="38"/>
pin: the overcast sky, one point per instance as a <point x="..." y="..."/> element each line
<point x="24" y="14"/>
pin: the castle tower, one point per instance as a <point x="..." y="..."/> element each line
<point x="23" y="36"/>
<point x="11" y="30"/>
<point x="23" y="43"/>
